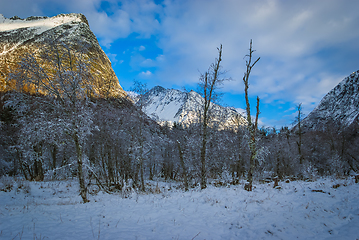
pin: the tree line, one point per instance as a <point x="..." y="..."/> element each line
<point x="63" y="128"/>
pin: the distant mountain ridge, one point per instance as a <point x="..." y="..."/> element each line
<point x="339" y="107"/>
<point x="171" y="105"/>
<point x="21" y="36"/>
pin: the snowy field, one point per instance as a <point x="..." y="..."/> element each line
<point x="299" y="210"/>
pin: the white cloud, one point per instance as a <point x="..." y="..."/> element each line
<point x="146" y="74"/>
<point x="286" y="34"/>
<point x="112" y="57"/>
<point x="138" y="61"/>
<point x="148" y="63"/>
<point x="28" y="8"/>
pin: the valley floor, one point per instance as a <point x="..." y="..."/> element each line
<point x="299" y="210"/>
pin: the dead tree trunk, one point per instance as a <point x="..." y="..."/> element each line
<point x="203" y="152"/>
<point x="251" y="127"/>
<point x="299" y="142"/>
<point x="141" y="89"/>
<point x="184" y="170"/>
<point x="141" y="163"/>
<point x="208" y="84"/>
<point x="80" y="168"/>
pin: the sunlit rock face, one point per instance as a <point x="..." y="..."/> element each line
<point x="21" y="36"/>
<point x="338" y="109"/>
<point x="169" y="106"/>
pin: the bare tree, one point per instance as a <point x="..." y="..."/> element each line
<point x="298" y="120"/>
<point x="184" y="169"/>
<point x="141" y="89"/>
<point x="252" y="127"/>
<point x="62" y="73"/>
<point x="208" y="84"/>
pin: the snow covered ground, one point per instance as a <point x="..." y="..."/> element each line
<point x="299" y="210"/>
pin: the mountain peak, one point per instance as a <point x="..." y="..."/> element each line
<point x="157" y="90"/>
<point x="339" y="107"/>
<point x="171" y="105"/>
<point x="22" y="36"/>
<point x="41" y="24"/>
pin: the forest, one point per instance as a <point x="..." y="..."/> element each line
<point x="55" y="125"/>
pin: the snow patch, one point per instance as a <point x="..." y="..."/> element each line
<point x="171" y="105"/>
<point x="41" y="25"/>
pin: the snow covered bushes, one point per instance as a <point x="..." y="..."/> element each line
<point x="7" y="184"/>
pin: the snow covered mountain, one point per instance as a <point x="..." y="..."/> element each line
<point x="170" y="105"/>
<point x="21" y="36"/>
<point x="339" y="107"/>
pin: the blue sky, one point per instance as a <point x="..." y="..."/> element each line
<point x="306" y="47"/>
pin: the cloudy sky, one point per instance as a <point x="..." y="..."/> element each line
<point x="306" y="47"/>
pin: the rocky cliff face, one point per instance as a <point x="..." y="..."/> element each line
<point x="170" y="105"/>
<point x="339" y="108"/>
<point x="21" y="36"/>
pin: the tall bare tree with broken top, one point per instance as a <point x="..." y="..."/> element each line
<point x="252" y="127"/>
<point x="208" y="84"/>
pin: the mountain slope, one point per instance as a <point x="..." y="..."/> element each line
<point x="339" y="107"/>
<point x="170" y="105"/>
<point x="21" y="36"/>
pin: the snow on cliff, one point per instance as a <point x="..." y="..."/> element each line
<point x="41" y="24"/>
<point x="28" y="28"/>
<point x="171" y="105"/>
<point x="339" y="107"/>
